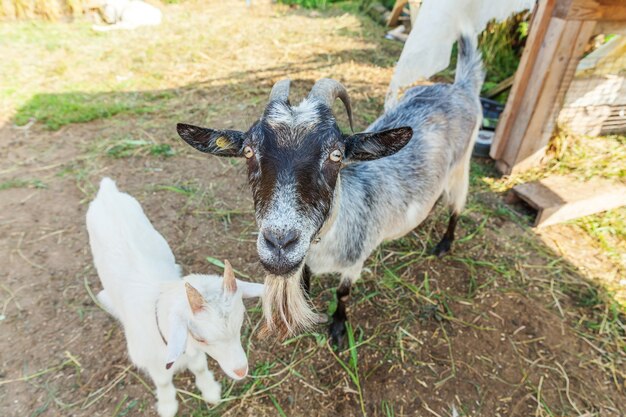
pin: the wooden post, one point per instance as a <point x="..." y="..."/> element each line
<point x="538" y="27"/>
<point x="395" y="13"/>
<point x="559" y="32"/>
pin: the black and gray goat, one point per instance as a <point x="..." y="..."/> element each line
<point x="325" y="200"/>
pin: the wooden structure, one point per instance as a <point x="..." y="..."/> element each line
<point x="559" y="33"/>
<point x="558" y="198"/>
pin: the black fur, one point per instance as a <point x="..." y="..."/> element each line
<point x="445" y="244"/>
<point x="337" y="327"/>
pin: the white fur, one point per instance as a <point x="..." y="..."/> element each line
<point x="128" y="14"/>
<point x="142" y="282"/>
<point x="304" y="115"/>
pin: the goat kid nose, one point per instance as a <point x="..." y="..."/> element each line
<point x="241" y="372"/>
<point x="281" y="240"/>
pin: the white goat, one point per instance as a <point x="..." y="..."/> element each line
<point x="143" y="289"/>
<point x="127" y="14"/>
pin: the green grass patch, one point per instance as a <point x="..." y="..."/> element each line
<point x="58" y="110"/>
<point x="21" y="183"/>
<point x="609" y="231"/>
<point x="310" y="4"/>
<point x="131" y="147"/>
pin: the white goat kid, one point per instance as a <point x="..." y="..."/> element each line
<point x="127" y="14"/>
<point x="143" y="289"/>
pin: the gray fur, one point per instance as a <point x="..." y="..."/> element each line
<point x="386" y="198"/>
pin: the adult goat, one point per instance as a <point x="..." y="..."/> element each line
<point x="324" y="200"/>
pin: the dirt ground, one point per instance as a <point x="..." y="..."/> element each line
<point x="504" y="326"/>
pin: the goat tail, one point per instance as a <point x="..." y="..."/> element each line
<point x="107" y="185"/>
<point x="469" y="68"/>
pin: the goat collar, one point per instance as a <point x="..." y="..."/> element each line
<point x="156" y="317"/>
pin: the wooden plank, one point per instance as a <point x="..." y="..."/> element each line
<point x="607" y="10"/>
<point x="532" y="92"/>
<point x="395" y="12"/>
<point x="502" y="86"/>
<point x="559" y="198"/>
<point x="558" y="77"/>
<point x="538" y="27"/>
<point x="617" y="28"/>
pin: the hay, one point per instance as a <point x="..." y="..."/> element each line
<point x="45" y="9"/>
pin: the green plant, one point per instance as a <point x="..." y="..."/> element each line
<point x="352" y="366"/>
<point x="19" y="183"/>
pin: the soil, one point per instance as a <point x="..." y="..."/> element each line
<point x="487" y="358"/>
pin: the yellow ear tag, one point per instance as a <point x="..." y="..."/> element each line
<point x="222" y="142"/>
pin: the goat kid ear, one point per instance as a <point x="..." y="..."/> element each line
<point x="374" y="145"/>
<point x="177" y="338"/>
<point x="216" y="142"/>
<point x="250" y="289"/>
<point x="195" y="299"/>
<point x="230" y="283"/>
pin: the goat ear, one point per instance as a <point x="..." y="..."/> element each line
<point x="177" y="338"/>
<point x="250" y="289"/>
<point x="196" y="301"/>
<point x="373" y="145"/>
<point x="216" y="142"/>
<point x="230" y="283"/>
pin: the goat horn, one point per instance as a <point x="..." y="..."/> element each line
<point x="280" y="91"/>
<point x="327" y="91"/>
<point x="230" y="283"/>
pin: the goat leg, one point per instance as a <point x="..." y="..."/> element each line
<point x="445" y="244"/>
<point x="337" y="328"/>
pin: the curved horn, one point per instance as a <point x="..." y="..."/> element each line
<point x="280" y="91"/>
<point x="327" y="91"/>
<point x="230" y="283"/>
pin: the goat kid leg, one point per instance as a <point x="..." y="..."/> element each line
<point x="167" y="406"/>
<point x="337" y="328"/>
<point x="205" y="381"/>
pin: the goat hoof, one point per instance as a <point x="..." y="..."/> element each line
<point x="337" y="332"/>
<point x="442" y="248"/>
<point x="211" y="391"/>
<point x="167" y="408"/>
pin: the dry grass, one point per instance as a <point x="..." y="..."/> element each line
<point x="45" y="9"/>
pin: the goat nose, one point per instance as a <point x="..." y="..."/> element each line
<point x="281" y="240"/>
<point x="241" y="372"/>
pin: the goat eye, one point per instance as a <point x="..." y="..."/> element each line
<point x="335" y="155"/>
<point x="248" y="152"/>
